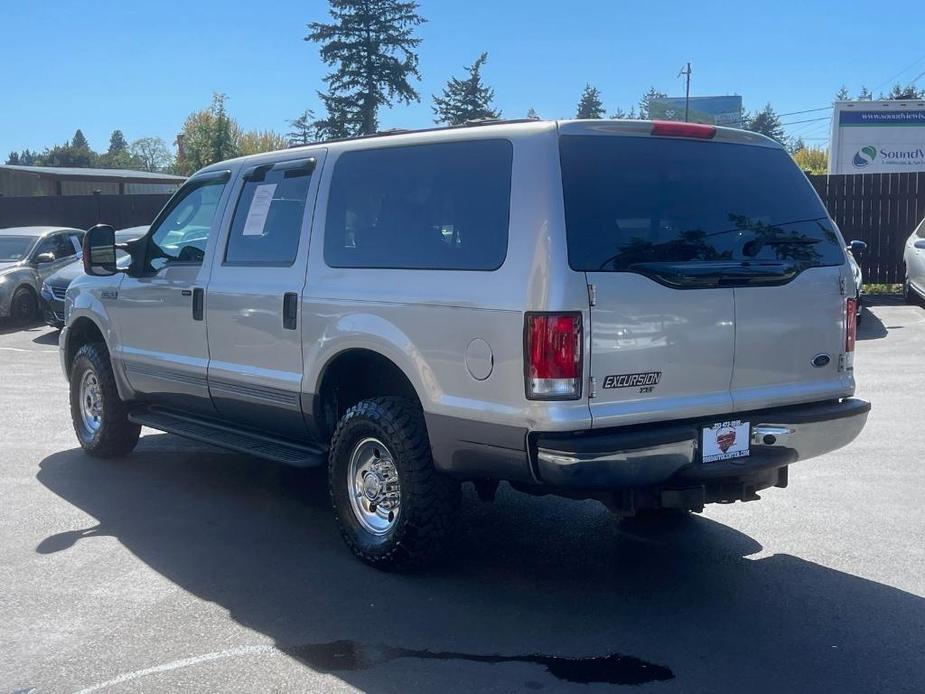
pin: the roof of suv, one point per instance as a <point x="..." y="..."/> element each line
<point x="504" y="128"/>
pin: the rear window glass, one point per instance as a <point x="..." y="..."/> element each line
<point x="631" y="201"/>
<point x="440" y="207"/>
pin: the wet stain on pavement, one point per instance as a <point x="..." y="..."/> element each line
<point x="342" y="656"/>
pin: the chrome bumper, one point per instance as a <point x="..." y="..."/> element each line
<point x="662" y="454"/>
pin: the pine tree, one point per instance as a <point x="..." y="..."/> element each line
<point x="646" y="101"/>
<point x="371" y="46"/>
<point x="767" y="123"/>
<point x="590" y="104"/>
<point x="117" y="143"/>
<point x="842" y="94"/>
<point x="79" y="141"/>
<point x="532" y="114"/>
<point x="13" y="158"/>
<point x="222" y="136"/>
<point x="865" y="94"/>
<point x="339" y="121"/>
<point x="908" y="92"/>
<point x="620" y="114"/>
<point x="303" y="129"/>
<point x="466" y="99"/>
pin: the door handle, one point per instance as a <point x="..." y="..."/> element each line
<point x="290" y="310"/>
<point x="199" y="296"/>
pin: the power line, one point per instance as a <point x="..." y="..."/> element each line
<point x="808" y="120"/>
<point x="910" y="65"/>
<point x="809" y="110"/>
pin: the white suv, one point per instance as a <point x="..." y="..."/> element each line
<point x="656" y="315"/>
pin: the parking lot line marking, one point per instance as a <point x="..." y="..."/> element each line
<point x="182" y="663"/>
<point x="28" y="351"/>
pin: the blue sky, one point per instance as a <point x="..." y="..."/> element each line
<point x="142" y="67"/>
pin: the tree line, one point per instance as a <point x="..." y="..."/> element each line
<point x="371" y="49"/>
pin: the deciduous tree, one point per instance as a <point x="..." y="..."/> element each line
<point x="151" y="153"/>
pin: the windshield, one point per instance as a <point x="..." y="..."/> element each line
<point x="631" y="202"/>
<point x="14" y="248"/>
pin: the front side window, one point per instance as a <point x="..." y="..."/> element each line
<point x="441" y="207"/>
<point x="57" y="244"/>
<point x="267" y="222"/>
<point x="181" y="233"/>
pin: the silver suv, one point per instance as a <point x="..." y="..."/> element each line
<point x="655" y="315"/>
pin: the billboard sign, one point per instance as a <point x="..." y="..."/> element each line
<point x="714" y="110"/>
<point x="878" y="137"/>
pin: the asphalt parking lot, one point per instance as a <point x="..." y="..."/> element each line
<point x="184" y="567"/>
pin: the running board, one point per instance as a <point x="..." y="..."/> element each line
<point x="235" y="439"/>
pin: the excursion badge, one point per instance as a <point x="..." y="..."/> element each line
<point x="637" y="380"/>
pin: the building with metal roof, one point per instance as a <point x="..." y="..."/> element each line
<point x="27" y="181"/>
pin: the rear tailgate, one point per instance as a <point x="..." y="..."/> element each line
<point x="714" y="272"/>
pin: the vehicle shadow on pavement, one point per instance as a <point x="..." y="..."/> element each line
<point x="8" y="326"/>
<point x="525" y="576"/>
<point x="49" y="338"/>
<point x="871" y="327"/>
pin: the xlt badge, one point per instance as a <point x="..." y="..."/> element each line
<point x="638" y="380"/>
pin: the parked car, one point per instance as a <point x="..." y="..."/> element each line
<point x="855" y="251"/>
<point x="55" y="287"/>
<point x="655" y="315"/>
<point x="914" y="259"/>
<point x="27" y="256"/>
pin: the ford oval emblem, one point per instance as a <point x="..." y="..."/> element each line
<point x="821" y="360"/>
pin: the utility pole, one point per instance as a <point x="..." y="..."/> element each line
<point x="686" y="71"/>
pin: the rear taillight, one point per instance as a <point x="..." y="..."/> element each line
<point x="552" y="352"/>
<point x="670" y="128"/>
<point x="851" y="324"/>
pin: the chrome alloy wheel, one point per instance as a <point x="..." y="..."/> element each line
<point x="91" y="403"/>
<point x="373" y="486"/>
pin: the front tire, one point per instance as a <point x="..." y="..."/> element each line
<point x="99" y="416"/>
<point x="24" y="306"/>
<point x="393" y="508"/>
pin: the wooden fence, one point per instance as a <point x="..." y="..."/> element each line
<point x="881" y="209"/>
<point x="80" y="211"/>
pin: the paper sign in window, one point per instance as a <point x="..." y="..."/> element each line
<point x="260" y="208"/>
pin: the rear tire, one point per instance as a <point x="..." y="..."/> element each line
<point x="393" y="508"/>
<point x="909" y="294"/>
<point x="24" y="306"/>
<point x="99" y="415"/>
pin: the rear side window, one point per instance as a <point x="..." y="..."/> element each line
<point x="634" y="201"/>
<point x="440" y="207"/>
<point x="267" y="223"/>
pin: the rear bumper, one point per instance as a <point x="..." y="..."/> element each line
<point x="668" y="455"/>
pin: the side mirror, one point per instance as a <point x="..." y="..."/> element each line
<point x="99" y="251"/>
<point x="45" y="258"/>
<point x="857" y="248"/>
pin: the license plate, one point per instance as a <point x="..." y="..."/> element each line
<point x="725" y="441"/>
